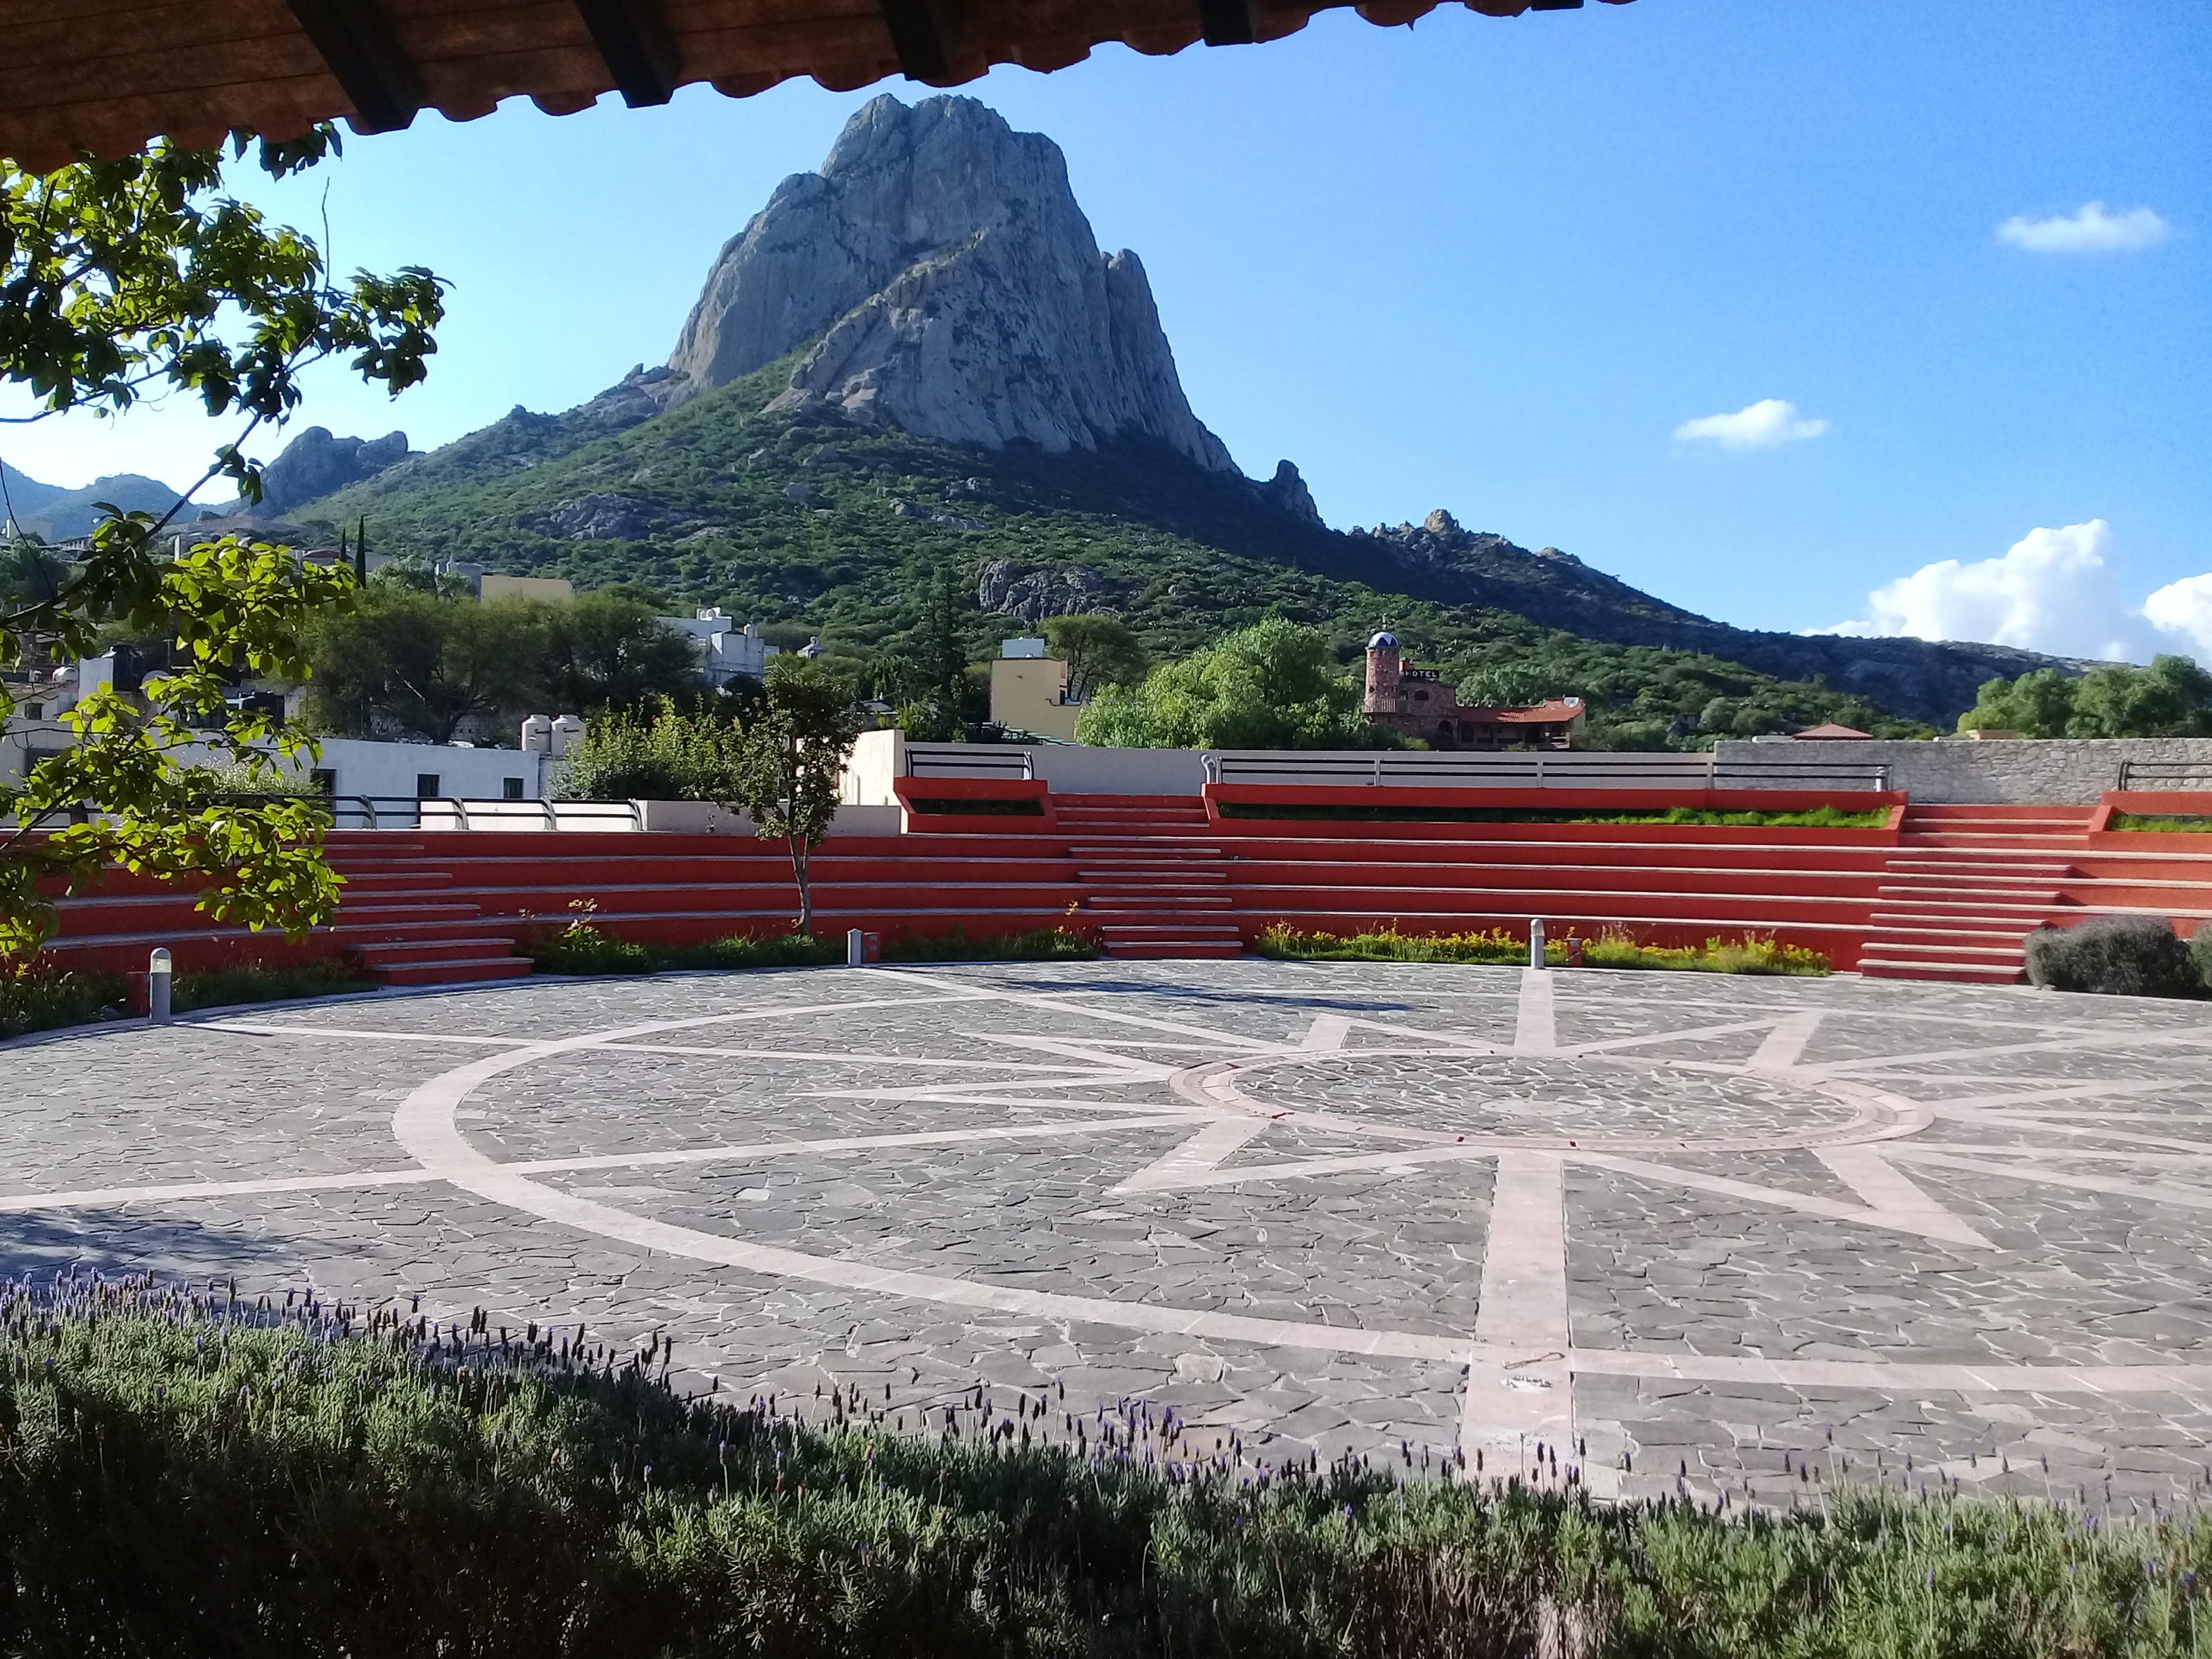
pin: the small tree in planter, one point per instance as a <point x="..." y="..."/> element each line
<point x="789" y="758"/>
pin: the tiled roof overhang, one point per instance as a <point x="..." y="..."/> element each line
<point x="106" y="76"/>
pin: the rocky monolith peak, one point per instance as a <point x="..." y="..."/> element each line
<point x="944" y="280"/>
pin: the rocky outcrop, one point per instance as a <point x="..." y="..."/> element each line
<point x="1286" y="493"/>
<point x="602" y="518"/>
<point x="1006" y="588"/>
<point x="945" y="282"/>
<point x="315" y="464"/>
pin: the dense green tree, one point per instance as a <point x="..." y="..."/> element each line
<point x="416" y="574"/>
<point x="2172" y="697"/>
<point x="1099" y="651"/>
<point x="1274" y="685"/>
<point x="425" y="665"/>
<point x="137" y="275"/>
<point x="789" y="762"/>
<point x="30" y="571"/>
<point x="1510" y="685"/>
<point x="662" y="754"/>
<point x="612" y="651"/>
<point x="2038" y="704"/>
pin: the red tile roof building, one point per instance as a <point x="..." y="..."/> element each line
<point x="1416" y="703"/>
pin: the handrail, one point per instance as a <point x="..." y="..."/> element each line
<point x="2164" y="771"/>
<point x="967" y="759"/>
<point x="485" y="812"/>
<point x="1751" y="777"/>
<point x="1538" y="770"/>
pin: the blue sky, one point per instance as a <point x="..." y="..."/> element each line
<point x="1497" y="266"/>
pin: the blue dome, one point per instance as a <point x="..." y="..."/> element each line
<point x="1385" y="640"/>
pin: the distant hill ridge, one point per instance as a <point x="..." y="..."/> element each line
<point x="919" y="355"/>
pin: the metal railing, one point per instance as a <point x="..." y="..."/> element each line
<point x="407" y="812"/>
<point x="1467" y="769"/>
<point x="970" y="760"/>
<point x="1556" y="769"/>
<point x="1803" y="774"/>
<point x="2166" y="774"/>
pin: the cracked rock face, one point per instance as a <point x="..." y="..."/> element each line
<point x="602" y="518"/>
<point x="952" y="288"/>
<point x="1006" y="588"/>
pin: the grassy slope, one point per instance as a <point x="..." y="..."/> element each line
<point x="1183" y="555"/>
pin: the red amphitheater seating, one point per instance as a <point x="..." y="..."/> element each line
<point x="1943" y="892"/>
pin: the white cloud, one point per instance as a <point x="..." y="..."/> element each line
<point x="1763" y="425"/>
<point x="2183" y="609"/>
<point x="2090" y="229"/>
<point x="2053" y="590"/>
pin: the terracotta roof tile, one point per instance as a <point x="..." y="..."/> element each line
<point x="106" y="76"/>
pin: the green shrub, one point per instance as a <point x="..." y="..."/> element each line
<point x="771" y="951"/>
<point x="254" y="981"/>
<point x="2200" y="952"/>
<point x="1614" y="948"/>
<point x="2193" y="823"/>
<point x="2115" y="956"/>
<point x="666" y="756"/>
<point x="1039" y="944"/>
<point x="188" y="1475"/>
<point x="37" y="994"/>
<point x="582" y="948"/>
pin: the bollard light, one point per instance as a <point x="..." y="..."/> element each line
<point x="1537" y="942"/>
<point x="157" y="988"/>
<point x="855" y="947"/>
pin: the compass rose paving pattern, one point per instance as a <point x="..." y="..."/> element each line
<point x="1671" y="1230"/>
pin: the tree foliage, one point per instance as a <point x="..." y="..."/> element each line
<point x="2171" y="698"/>
<point x="429" y="664"/>
<point x="1274" y="685"/>
<point x="789" y="761"/>
<point x="612" y="651"/>
<point x="661" y="755"/>
<point x="1099" y="650"/>
<point x="119" y="278"/>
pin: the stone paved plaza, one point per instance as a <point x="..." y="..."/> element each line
<point x="1669" y="1226"/>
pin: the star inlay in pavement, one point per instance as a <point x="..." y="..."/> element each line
<point x="1669" y="1227"/>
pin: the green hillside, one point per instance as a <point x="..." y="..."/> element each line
<point x="822" y="524"/>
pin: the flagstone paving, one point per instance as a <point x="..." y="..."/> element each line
<point x="1671" y="1230"/>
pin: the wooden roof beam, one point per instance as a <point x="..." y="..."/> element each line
<point x="365" y="57"/>
<point x="1228" y="22"/>
<point x="926" y="36"/>
<point x="634" y="43"/>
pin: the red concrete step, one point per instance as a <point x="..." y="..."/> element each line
<point x="1990" y="809"/>
<point x="1161" y="900"/>
<point x="443" y="972"/>
<point x="1965" y="973"/>
<point x="384" y="952"/>
<point x="1126" y="933"/>
<point x="2023" y="841"/>
<point x="1216" y="950"/>
<point x="1148" y="880"/>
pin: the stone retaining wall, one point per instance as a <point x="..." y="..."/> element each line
<point x="2016" y="772"/>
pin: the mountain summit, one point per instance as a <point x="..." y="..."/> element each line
<point x="943" y="279"/>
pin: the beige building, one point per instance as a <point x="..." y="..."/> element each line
<point x="547" y="590"/>
<point x="1029" y="690"/>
